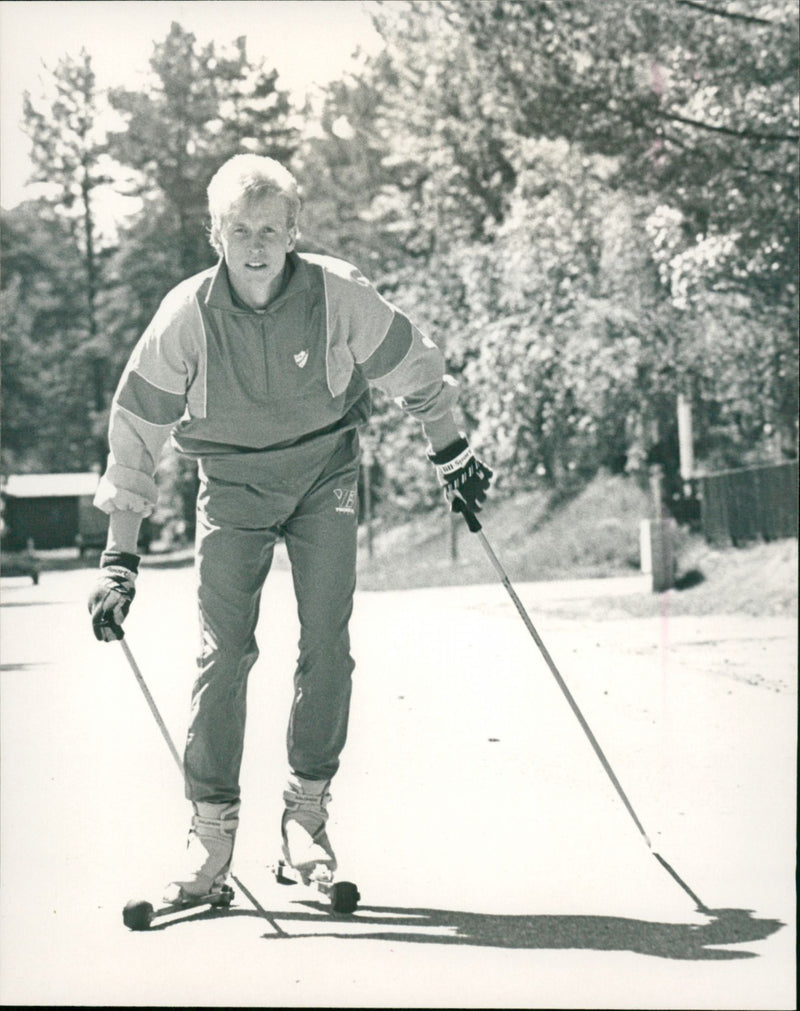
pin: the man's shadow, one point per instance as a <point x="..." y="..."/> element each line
<point x="697" y="942"/>
<point x="694" y="942"/>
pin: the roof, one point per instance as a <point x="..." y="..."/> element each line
<point x="51" y="485"/>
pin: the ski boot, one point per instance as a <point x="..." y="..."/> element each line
<point x="206" y="864"/>
<point x="308" y="856"/>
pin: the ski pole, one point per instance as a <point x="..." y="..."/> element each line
<point x="151" y="703"/>
<point x="475" y="527"/>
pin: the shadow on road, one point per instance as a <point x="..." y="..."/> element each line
<point x="594" y="933"/>
<point x="694" y="942"/>
<point x="6" y="667"/>
<point x="32" y="603"/>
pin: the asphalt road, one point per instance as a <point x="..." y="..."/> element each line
<point x="497" y="865"/>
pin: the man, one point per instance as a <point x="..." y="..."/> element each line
<point x="260" y="368"/>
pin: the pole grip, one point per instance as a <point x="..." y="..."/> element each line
<point x="460" y="506"/>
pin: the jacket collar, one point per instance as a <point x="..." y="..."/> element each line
<point x="222" y="296"/>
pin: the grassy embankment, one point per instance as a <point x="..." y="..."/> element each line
<point x="592" y="535"/>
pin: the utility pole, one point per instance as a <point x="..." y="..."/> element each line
<point x="685" y="442"/>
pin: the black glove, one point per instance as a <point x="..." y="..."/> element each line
<point x="111" y="598"/>
<point x="464" y="478"/>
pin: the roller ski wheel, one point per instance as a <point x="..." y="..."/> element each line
<point x="343" y="896"/>
<point x="139" y="914"/>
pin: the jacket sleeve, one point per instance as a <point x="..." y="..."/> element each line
<point x="394" y="355"/>
<point x="149" y="400"/>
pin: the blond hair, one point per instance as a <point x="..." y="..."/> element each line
<point x="247" y="176"/>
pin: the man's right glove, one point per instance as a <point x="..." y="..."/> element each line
<point x="111" y="598"/>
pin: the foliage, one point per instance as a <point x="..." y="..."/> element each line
<point x="47" y="403"/>
<point x="74" y="304"/>
<point x="203" y="104"/>
<point x="602" y="281"/>
<point x="69" y="156"/>
<point x="340" y="171"/>
<point x="590" y="206"/>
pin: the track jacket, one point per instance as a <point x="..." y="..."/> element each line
<point x="221" y="378"/>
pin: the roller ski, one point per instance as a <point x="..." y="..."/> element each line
<point x="139" y="914"/>
<point x="308" y="857"/>
<point x="202" y="880"/>
<point x="343" y="896"/>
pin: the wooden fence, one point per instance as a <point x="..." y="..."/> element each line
<point x="752" y="503"/>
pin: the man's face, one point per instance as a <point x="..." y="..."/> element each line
<point x="256" y="237"/>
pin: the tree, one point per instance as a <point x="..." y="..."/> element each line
<point x="696" y="104"/>
<point x="340" y="165"/>
<point x="204" y="105"/>
<point x="47" y="405"/>
<point x="691" y="110"/>
<point x="69" y="154"/>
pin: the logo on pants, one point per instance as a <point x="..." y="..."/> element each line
<point x="346" y="499"/>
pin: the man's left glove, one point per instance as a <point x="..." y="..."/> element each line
<point x="111" y="598"/>
<point x="464" y="478"/>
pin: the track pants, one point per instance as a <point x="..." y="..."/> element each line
<point x="307" y="494"/>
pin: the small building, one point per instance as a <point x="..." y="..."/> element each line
<point x="52" y="511"/>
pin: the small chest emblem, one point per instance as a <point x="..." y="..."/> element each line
<point x="300" y="359"/>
